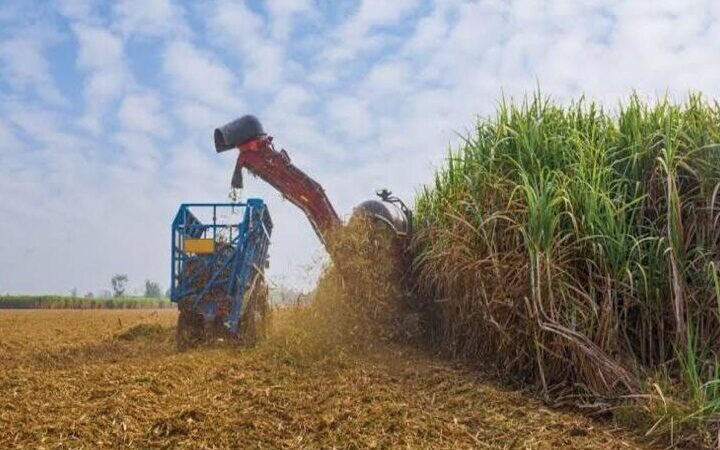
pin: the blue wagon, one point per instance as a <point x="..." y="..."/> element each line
<point x="219" y="254"/>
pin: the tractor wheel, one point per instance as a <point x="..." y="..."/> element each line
<point x="256" y="316"/>
<point x="190" y="330"/>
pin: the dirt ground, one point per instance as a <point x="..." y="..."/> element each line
<point x="110" y="379"/>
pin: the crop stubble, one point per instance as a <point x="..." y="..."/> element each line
<point x="108" y="379"/>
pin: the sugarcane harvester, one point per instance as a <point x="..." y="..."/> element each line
<point x="219" y="252"/>
<point x="218" y="267"/>
<point x="258" y="155"/>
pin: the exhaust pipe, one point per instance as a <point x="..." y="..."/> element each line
<point x="237" y="132"/>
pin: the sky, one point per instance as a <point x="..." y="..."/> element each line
<point x="107" y="108"/>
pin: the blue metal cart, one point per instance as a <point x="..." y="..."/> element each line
<point x="219" y="254"/>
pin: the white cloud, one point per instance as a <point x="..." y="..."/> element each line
<point x="198" y="117"/>
<point x="350" y="117"/>
<point x="389" y="78"/>
<point x="265" y="67"/>
<point x="144" y="112"/>
<point x="263" y="59"/>
<point x="380" y="12"/>
<point x="25" y="67"/>
<point x="354" y="35"/>
<point x="99" y="48"/>
<point x="8" y="140"/>
<point x="295" y="98"/>
<point x="288" y="117"/>
<point x="101" y="56"/>
<point x="429" y="31"/>
<point x="154" y="18"/>
<point x="44" y="127"/>
<point x="196" y="75"/>
<point x="288" y="7"/>
<point x="84" y="10"/>
<point x="283" y="12"/>
<point x="140" y="153"/>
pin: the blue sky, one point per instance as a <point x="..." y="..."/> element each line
<point x="107" y="108"/>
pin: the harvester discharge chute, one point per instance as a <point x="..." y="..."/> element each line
<point x="218" y="269"/>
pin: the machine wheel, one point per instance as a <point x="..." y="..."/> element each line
<point x="190" y="330"/>
<point x="256" y="316"/>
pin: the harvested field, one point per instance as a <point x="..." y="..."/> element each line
<point x="109" y="379"/>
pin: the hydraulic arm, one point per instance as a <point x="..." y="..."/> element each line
<point x="258" y="155"/>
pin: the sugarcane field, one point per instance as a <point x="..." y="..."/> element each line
<point x="363" y="224"/>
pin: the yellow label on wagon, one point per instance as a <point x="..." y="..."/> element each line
<point x="199" y="245"/>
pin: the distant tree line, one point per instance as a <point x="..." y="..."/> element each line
<point x="116" y="298"/>
<point x="67" y="302"/>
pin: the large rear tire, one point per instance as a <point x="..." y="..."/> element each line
<point x="189" y="332"/>
<point x="256" y="316"/>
